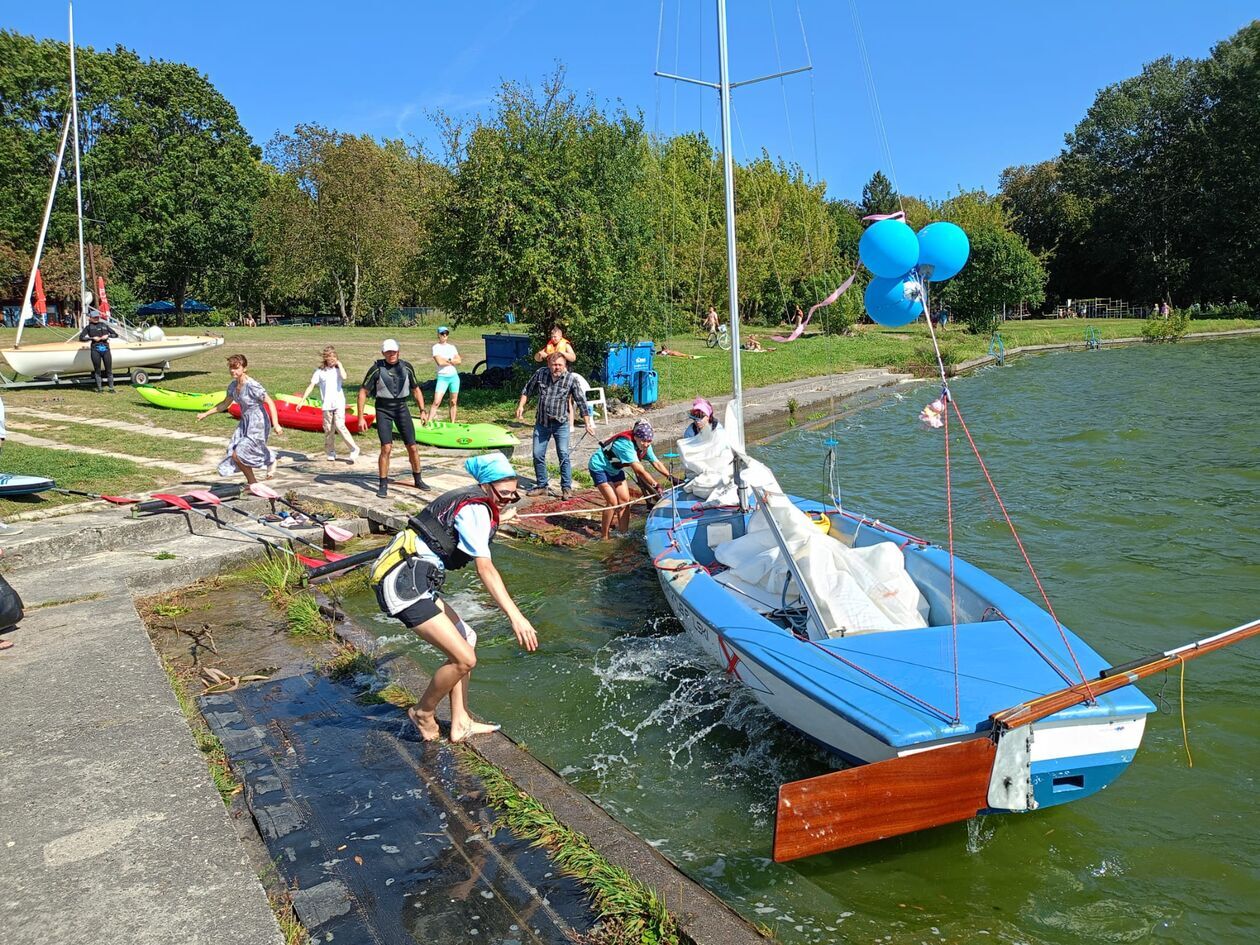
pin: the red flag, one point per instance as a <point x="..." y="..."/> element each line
<point x="41" y="303"/>
<point x="102" y="300"/>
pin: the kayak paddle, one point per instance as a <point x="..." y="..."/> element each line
<point x="213" y="500"/>
<point x="345" y="564"/>
<point x="114" y="499"/>
<point x="180" y="503"/>
<point x="332" y="531"/>
<point x="224" y="490"/>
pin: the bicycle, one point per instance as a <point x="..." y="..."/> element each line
<point x="719" y="339"/>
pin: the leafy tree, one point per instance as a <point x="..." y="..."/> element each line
<point x="1001" y="270"/>
<point x="1229" y="245"/>
<point x="878" y="196"/>
<point x="167" y="167"/>
<point x="548" y="215"/>
<point x="1134" y="157"/>
<point x="341" y="220"/>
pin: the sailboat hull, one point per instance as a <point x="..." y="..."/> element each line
<point x="72" y="357"/>
<point x="856" y="695"/>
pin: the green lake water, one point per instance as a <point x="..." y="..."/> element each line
<point x="1134" y="477"/>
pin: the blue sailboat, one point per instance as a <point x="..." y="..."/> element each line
<point x="951" y="693"/>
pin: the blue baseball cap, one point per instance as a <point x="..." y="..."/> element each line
<point x="443" y="330"/>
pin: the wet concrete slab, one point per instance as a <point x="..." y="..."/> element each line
<point x="383" y="838"/>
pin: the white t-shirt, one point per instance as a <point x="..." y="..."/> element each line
<point x="330" y="391"/>
<point x="448" y="351"/>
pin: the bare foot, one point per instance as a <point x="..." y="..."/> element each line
<point x="425" y="722"/>
<point x="5" y="644"/>
<point x="474" y="728"/>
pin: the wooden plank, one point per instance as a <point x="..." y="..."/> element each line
<point x="884" y="799"/>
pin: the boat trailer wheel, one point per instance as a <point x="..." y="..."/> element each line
<point x="139" y="376"/>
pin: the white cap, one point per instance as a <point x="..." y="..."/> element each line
<point x="389" y="344"/>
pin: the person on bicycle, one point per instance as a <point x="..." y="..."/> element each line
<point x="711" y="321"/>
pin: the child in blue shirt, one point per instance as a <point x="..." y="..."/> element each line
<point x="629" y="449"/>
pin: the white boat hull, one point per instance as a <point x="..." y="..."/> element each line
<point x="71" y="357"/>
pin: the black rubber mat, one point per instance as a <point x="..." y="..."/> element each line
<point x="382" y="838"/>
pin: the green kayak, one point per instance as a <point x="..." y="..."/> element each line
<point x="464" y="436"/>
<point x="177" y="399"/>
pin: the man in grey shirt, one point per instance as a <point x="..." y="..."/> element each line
<point x="557" y="389"/>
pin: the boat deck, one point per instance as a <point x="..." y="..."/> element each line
<point x="900" y="687"/>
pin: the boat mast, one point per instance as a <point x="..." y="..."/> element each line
<point x="26" y="309"/>
<point x="78" y="183"/>
<point x="728" y="174"/>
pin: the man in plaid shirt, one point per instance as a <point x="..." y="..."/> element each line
<point x="555" y="388"/>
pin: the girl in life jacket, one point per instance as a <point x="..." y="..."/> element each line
<point x="628" y="449"/>
<point x="455" y="529"/>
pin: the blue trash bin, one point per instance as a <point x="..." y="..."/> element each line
<point x="646" y="387"/>
<point x="622" y="362"/>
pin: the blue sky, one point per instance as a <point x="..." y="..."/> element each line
<point x="965" y="89"/>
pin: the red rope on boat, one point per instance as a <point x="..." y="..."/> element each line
<point x="1015" y="534"/>
<point x="953" y="586"/>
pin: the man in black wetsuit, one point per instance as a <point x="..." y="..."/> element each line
<point x="389" y="381"/>
<point x="97" y="334"/>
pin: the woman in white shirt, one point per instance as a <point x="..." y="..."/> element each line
<point x="328" y="377"/>
<point x="446" y="357"/>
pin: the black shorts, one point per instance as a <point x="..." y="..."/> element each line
<point x="422" y="611"/>
<point x="394" y="414"/>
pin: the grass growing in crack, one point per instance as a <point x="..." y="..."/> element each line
<point x="276" y="572"/>
<point x="291" y="928"/>
<point x="304" y="617"/>
<point x="347" y="663"/>
<point x="206" y="741"/>
<point x="164" y="556"/>
<point x="168" y="610"/>
<point x="629" y="910"/>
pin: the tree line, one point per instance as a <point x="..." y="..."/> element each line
<point x="562" y="211"/>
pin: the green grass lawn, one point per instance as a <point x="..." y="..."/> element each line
<point x="99" y="474"/>
<point x="282" y="359"/>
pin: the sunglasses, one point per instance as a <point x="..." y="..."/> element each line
<point x="698" y="415"/>
<point x="507" y="498"/>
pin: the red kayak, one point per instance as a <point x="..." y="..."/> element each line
<point x="307" y="417"/>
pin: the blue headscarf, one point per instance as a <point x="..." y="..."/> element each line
<point x="490" y="467"/>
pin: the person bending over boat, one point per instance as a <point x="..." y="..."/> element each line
<point x="607" y="466"/>
<point x="701" y="415"/>
<point x="389" y="380"/>
<point x="454" y="529"/>
<point x="96" y="334"/>
<point x="329" y="377"/>
<point x="248" y="449"/>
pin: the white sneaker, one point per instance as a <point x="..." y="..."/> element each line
<point x="331" y="457"/>
<point x="354" y="454"/>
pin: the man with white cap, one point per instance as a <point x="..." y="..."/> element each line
<point x="389" y="381"/>
<point x="454" y="530"/>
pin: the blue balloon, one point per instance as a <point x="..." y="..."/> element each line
<point x="943" y="251"/>
<point x="894" y="302"/>
<point x="889" y="248"/>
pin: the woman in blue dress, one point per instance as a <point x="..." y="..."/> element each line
<point x="248" y="450"/>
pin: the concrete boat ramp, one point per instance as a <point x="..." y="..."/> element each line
<point x="114" y="832"/>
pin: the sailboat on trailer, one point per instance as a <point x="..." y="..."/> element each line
<point x="134" y="349"/>
<point x="951" y="693"/>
